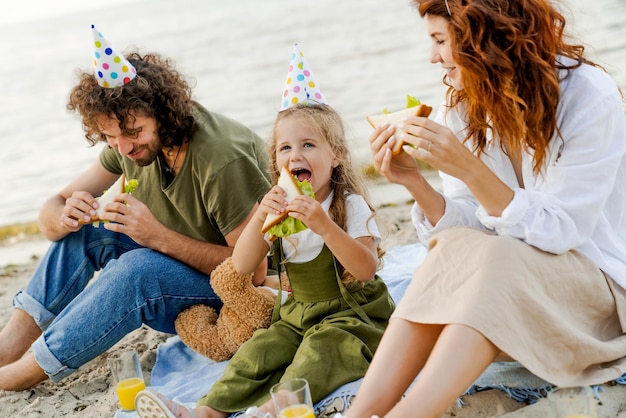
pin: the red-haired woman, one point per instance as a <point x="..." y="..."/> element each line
<point x="527" y="242"/>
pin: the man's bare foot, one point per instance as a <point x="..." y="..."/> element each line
<point x="22" y="374"/>
<point x="17" y="336"/>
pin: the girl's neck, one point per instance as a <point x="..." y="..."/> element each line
<point x="322" y="194"/>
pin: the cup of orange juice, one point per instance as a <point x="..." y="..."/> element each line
<point x="572" y="402"/>
<point x="127" y="376"/>
<point x="292" y="399"/>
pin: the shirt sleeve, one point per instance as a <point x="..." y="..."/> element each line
<point x="360" y="222"/>
<point x="568" y="200"/>
<point x="111" y="160"/>
<point x="231" y="194"/>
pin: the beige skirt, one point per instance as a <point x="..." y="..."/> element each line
<point x="557" y="315"/>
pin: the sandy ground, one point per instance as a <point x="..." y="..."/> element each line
<point x="89" y="392"/>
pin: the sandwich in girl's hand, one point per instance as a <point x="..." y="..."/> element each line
<point x="281" y="225"/>
<point x="414" y="108"/>
<point x="109" y="195"/>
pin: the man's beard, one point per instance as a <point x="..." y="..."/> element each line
<point x="153" y="152"/>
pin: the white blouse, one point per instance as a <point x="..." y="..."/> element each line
<point x="578" y="201"/>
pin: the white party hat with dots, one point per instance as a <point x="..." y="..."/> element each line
<point x="300" y="87"/>
<point x="110" y="68"/>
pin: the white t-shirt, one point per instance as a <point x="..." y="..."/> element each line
<point x="306" y="245"/>
<point x="578" y="201"/>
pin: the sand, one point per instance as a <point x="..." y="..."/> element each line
<point x="89" y="392"/>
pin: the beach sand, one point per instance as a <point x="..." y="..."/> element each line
<point x="90" y="393"/>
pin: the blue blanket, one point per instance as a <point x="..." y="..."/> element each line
<point x="186" y="376"/>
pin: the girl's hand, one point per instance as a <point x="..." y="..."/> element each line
<point x="311" y="212"/>
<point x="401" y="169"/>
<point x="273" y="202"/>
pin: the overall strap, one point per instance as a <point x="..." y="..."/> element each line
<point x="277" y="258"/>
<point x="350" y="299"/>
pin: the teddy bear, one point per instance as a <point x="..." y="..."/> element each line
<point x="246" y="308"/>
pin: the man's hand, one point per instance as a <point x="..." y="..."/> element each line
<point x="79" y="208"/>
<point x="132" y="217"/>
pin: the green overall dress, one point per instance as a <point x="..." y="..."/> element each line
<point x="326" y="333"/>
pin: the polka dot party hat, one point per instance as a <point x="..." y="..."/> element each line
<point x="300" y="86"/>
<point x="110" y="68"/>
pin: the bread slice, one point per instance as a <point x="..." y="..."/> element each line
<point x="396" y="117"/>
<point x="109" y="196"/>
<point x="288" y="183"/>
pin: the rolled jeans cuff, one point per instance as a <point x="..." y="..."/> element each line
<point x="42" y="317"/>
<point x="48" y="362"/>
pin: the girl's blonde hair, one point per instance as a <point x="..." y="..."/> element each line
<point x="345" y="180"/>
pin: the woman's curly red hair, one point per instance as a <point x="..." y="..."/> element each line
<point x="507" y="51"/>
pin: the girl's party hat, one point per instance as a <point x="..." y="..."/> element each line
<point x="110" y="68"/>
<point x="300" y="86"/>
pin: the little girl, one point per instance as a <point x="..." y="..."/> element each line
<point x="330" y="325"/>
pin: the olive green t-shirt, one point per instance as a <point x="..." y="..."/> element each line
<point x="224" y="174"/>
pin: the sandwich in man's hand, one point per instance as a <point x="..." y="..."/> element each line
<point x="282" y="225"/>
<point x="414" y="108"/>
<point x="120" y="186"/>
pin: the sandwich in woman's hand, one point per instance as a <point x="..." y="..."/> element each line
<point x="281" y="225"/>
<point x="414" y="108"/>
<point x="120" y="186"/>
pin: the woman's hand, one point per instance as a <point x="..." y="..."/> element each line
<point x="401" y="169"/>
<point x="437" y="145"/>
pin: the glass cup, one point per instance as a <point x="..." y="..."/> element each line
<point x="572" y="402"/>
<point x="127" y="376"/>
<point x="292" y="399"/>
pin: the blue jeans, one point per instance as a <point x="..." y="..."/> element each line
<point x="135" y="286"/>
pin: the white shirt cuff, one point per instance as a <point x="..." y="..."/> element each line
<point x="511" y="215"/>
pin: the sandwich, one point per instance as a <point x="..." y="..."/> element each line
<point x="414" y="108"/>
<point x="120" y="186"/>
<point x="281" y="225"/>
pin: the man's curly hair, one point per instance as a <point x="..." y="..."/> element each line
<point x="159" y="91"/>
